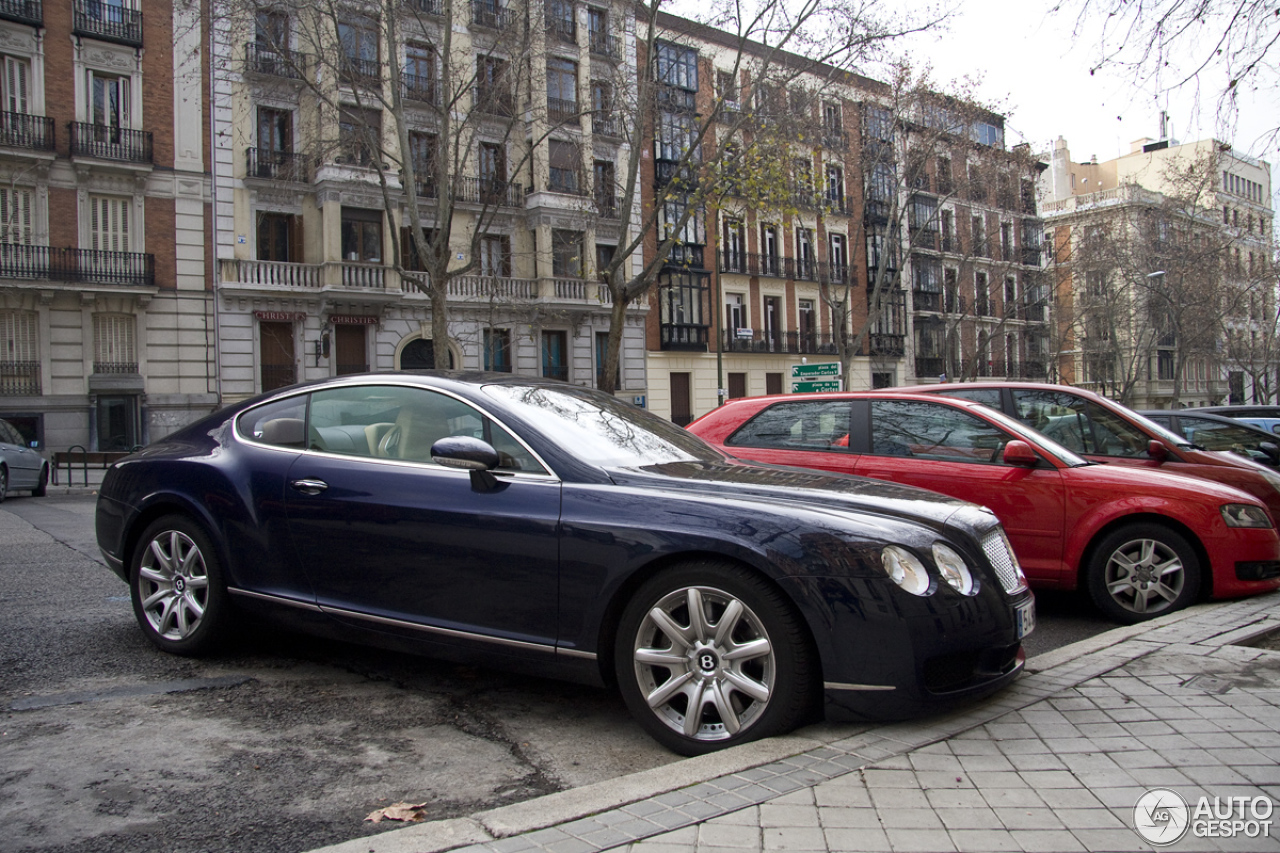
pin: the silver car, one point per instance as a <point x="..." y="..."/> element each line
<point x="20" y="466"/>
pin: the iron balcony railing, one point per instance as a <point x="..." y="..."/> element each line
<point x="565" y="31"/>
<point x="488" y="13"/>
<point x="356" y="71"/>
<point x="19" y="130"/>
<point x="492" y="191"/>
<point x="110" y="143"/>
<point x="277" y="165"/>
<point x="415" y="87"/>
<point x="606" y="125"/>
<point x="23" y="11"/>
<point x="115" y="367"/>
<point x="927" y="365"/>
<point x="562" y="109"/>
<point x="274" y="61"/>
<point x="795" y="343"/>
<point x="19" y="378"/>
<point x="884" y="344"/>
<point x="607" y="206"/>
<point x="98" y="19"/>
<point x="90" y="266"/>
<point x="680" y="336"/>
<point x="494" y="101"/>
<point x="427" y="7"/>
<point x="606" y="45"/>
<point x="566" y="182"/>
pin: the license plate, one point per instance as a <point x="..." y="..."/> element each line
<point x="1024" y="617"/>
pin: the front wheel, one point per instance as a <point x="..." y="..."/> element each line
<point x="1143" y="571"/>
<point x="710" y="655"/>
<point x="42" y="485"/>
<point x="179" y="595"/>
<point x="4" y="483"/>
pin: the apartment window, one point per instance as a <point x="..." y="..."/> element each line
<point x="497" y="350"/>
<point x="493" y="90"/>
<point x="981" y="295"/>
<point x="420" y="72"/>
<point x="359" y="135"/>
<point x="362" y="235"/>
<point x="727" y="88"/>
<point x="275" y="131"/>
<point x="561" y="20"/>
<point x="979" y="233"/>
<point x="109" y="224"/>
<point x="807" y="324"/>
<point x="773" y="323"/>
<point x="114" y="349"/>
<point x="424" y="152"/>
<point x="602" y="356"/>
<point x="109" y="101"/>
<point x="677" y="66"/>
<point x="835" y="186"/>
<point x="19" y="352"/>
<point x="15" y="215"/>
<point x="879" y="124"/>
<point x="832" y="118"/>
<point x="948" y="220"/>
<point x="271" y="30"/>
<point x="805" y="267"/>
<point x="951" y="289"/>
<point x="566" y="253"/>
<point x="493" y="164"/>
<point x="735" y="313"/>
<point x="1006" y="241"/>
<point x="769" y="250"/>
<point x="17" y="73"/>
<point x="735" y="246"/>
<point x="495" y="255"/>
<point x="946" y="185"/>
<point x="604" y="258"/>
<point x="1010" y="297"/>
<point x="562" y="88"/>
<point x="603" y="174"/>
<point x="279" y="237"/>
<point x="555" y="355"/>
<point x="566" y="163"/>
<point x="677" y="135"/>
<point x="977" y="185"/>
<point x="358" y="39"/>
<point x="838" y="254"/>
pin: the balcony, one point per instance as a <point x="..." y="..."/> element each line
<point x="681" y="336"/>
<point x="491" y="191"/>
<point x="494" y="101"/>
<point x="19" y="378"/>
<point x="100" y="20"/>
<point x="423" y="90"/>
<point x="23" y="12"/>
<point x="834" y="139"/>
<point x="563" y="31"/>
<point x="276" y="165"/>
<point x="116" y="367"/>
<point x="19" y="130"/>
<point x="607" y="206"/>
<point x="105" y="142"/>
<point x="887" y="345"/>
<point x="794" y="343"/>
<point x="605" y="46"/>
<point x="562" y="110"/>
<point x="565" y="182"/>
<point x="606" y="125"/>
<point x="487" y="287"/>
<point x="490" y="15"/>
<point x="1030" y="257"/>
<point x="273" y="61"/>
<point x="434" y="8"/>
<point x="356" y="71"/>
<point x="86" y="266"/>
<point x="928" y="366"/>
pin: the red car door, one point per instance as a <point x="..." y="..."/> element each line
<point x="953" y="451"/>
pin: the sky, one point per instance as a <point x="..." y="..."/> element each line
<point x="1029" y="63"/>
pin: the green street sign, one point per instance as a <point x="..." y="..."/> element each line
<point x="808" y="371"/>
<point x="815" y="387"/>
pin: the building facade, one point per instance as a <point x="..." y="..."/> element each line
<point x="1166" y="290"/>
<point x="106" y="318"/>
<point x="359" y="150"/>
<point x="900" y="244"/>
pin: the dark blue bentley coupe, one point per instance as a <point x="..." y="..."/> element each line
<point x="523" y="522"/>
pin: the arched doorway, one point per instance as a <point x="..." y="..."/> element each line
<point x="420" y="354"/>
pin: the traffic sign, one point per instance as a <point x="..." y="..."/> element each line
<point x="810" y="371"/>
<point x="815" y="387"/>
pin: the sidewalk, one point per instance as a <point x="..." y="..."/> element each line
<point x="1055" y="763"/>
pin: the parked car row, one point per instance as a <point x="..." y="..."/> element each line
<point x="1141" y="542"/>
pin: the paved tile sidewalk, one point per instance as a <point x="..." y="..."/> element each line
<point x="1055" y="763"/>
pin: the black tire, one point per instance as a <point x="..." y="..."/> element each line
<point x="4" y="483"/>
<point x="765" y="694"/>
<point x="179" y="593"/>
<point x="42" y="485"/>
<point x="1143" y="571"/>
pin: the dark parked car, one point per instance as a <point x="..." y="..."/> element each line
<point x="1260" y="416"/>
<point x="1102" y="430"/>
<point x="1217" y="432"/>
<point x="21" y="467"/>
<point x="554" y="528"/>
<point x="1143" y="543"/>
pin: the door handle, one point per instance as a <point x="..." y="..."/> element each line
<point x="309" y="487"/>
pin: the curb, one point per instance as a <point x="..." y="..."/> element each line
<point x="574" y="804"/>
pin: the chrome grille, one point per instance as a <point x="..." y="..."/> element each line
<point x="996" y="547"/>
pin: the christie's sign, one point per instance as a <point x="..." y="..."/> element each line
<point x="352" y="320"/>
<point x="280" y="316"/>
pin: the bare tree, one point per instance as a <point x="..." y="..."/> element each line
<point x="1172" y="43"/>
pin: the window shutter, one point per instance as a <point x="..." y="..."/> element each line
<point x="15" y="78"/>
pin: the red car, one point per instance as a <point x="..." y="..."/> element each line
<point x="1102" y="430"/>
<point x="1142" y="542"/>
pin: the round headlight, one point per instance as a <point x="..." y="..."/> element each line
<point x="953" y="569"/>
<point x="906" y="570"/>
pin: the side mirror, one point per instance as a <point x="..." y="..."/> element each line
<point x="468" y="454"/>
<point x="1157" y="451"/>
<point x="1019" y="453"/>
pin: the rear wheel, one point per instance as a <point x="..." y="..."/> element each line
<point x="4" y="482"/>
<point x="710" y="655"/>
<point x="178" y="591"/>
<point x="1143" y="571"/>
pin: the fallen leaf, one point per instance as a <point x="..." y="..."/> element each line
<point x="400" y="811"/>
